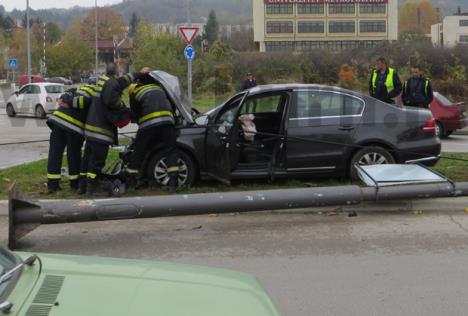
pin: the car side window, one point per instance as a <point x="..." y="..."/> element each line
<point x="228" y="114"/>
<point x="35" y="90"/>
<point x="263" y="104"/>
<point x="311" y="104"/>
<point x="24" y="90"/>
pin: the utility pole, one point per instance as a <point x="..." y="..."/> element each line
<point x="44" y="69"/>
<point x="189" y="72"/>
<point x="96" y="38"/>
<point x="28" y="31"/>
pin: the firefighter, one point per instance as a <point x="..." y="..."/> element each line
<point x="385" y="84"/>
<point x="67" y="125"/>
<point x="154" y="114"/>
<point x="106" y="114"/>
<point x="417" y="90"/>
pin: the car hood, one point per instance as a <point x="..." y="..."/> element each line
<point x="172" y="86"/>
<point x="75" y="285"/>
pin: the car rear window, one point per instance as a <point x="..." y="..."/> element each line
<point x="55" y="89"/>
<point x="443" y="99"/>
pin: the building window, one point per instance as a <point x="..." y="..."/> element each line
<point x="464" y="39"/>
<point x="378" y="8"/>
<point x="342" y="27"/>
<point x="372" y="27"/>
<point x="463" y="23"/>
<point x="279" y="46"/>
<point x="311" y="27"/>
<point x="310" y="8"/>
<point x="341" y="8"/>
<point x="280" y="27"/>
<point x="279" y="9"/>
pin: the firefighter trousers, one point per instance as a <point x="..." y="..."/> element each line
<point x="60" y="139"/>
<point x="94" y="159"/>
<point x="147" y="139"/>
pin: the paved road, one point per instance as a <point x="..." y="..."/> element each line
<point x="373" y="264"/>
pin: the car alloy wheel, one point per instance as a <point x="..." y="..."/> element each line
<point x="372" y="155"/>
<point x="162" y="176"/>
<point x="440" y="132"/>
<point x="373" y="158"/>
<point x="40" y="113"/>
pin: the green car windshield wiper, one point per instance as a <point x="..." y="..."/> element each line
<point x="7" y="274"/>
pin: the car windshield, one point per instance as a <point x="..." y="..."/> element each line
<point x="55" y="89"/>
<point x="7" y="262"/>
<point x="443" y="99"/>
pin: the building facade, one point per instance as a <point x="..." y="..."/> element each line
<point x="451" y="32"/>
<point x="303" y="25"/>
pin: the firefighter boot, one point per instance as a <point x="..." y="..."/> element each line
<point x="81" y="186"/>
<point x="74" y="184"/>
<point x="52" y="186"/>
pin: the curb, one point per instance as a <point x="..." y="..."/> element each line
<point x="459" y="204"/>
<point x="461" y="132"/>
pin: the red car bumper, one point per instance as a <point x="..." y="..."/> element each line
<point x="451" y="125"/>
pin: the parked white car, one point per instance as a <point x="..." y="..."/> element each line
<point x="39" y="99"/>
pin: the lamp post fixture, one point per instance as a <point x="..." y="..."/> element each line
<point x="28" y="31"/>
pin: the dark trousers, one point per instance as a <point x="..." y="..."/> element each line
<point x="60" y="139"/>
<point x="148" y="138"/>
<point x="94" y="159"/>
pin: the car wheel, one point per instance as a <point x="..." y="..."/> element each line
<point x="373" y="155"/>
<point x="39" y="112"/>
<point x="157" y="169"/>
<point x="448" y="133"/>
<point x="10" y="110"/>
<point x="440" y="132"/>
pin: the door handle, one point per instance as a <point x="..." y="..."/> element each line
<point x="346" y="128"/>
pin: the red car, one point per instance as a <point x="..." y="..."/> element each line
<point x="449" y="116"/>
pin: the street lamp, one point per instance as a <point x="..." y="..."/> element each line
<point x="96" y="38"/>
<point x="29" y="41"/>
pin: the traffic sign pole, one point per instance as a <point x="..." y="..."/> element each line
<point x="189" y="33"/>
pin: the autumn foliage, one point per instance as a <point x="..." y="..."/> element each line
<point x="411" y="20"/>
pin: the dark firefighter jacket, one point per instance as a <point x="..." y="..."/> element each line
<point x="107" y="109"/>
<point x="417" y="92"/>
<point x="150" y="106"/>
<point x="73" y="118"/>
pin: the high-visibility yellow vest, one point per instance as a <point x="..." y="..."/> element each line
<point x="388" y="82"/>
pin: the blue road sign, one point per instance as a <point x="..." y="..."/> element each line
<point x="189" y="52"/>
<point x="13" y="63"/>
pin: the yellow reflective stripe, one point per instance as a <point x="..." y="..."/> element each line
<point x="74" y="177"/>
<point x="69" y="119"/>
<point x="81" y="102"/>
<point x="91" y="175"/>
<point x="132" y="170"/>
<point x="427" y="86"/>
<point x="140" y="91"/>
<point x="88" y="90"/>
<point x="54" y="176"/>
<point x="83" y="174"/>
<point x="98" y="130"/>
<point x="172" y="169"/>
<point x="155" y="114"/>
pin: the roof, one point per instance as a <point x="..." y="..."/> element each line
<point x="296" y="86"/>
<point x="109" y="44"/>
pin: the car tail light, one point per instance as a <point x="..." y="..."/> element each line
<point x="49" y="99"/>
<point x="429" y="126"/>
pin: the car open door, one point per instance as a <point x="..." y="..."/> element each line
<point x="222" y="154"/>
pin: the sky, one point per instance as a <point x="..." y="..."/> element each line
<point x="48" y="4"/>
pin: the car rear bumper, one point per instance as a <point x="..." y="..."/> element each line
<point x="427" y="155"/>
<point x="451" y="125"/>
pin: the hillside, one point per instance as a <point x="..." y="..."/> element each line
<point x="167" y="11"/>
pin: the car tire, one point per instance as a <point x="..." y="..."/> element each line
<point x="156" y="170"/>
<point x="373" y="155"/>
<point x="10" y="110"/>
<point x="440" y="131"/>
<point x="448" y="133"/>
<point x="39" y="112"/>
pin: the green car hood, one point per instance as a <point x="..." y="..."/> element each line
<point x="75" y="285"/>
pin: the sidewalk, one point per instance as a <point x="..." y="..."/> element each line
<point x="461" y="131"/>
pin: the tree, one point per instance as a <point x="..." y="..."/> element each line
<point x="70" y="58"/>
<point x="211" y="29"/>
<point x="409" y="20"/>
<point x="110" y="24"/>
<point x="242" y="40"/>
<point x="134" y="22"/>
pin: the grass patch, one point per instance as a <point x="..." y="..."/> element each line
<point x="31" y="178"/>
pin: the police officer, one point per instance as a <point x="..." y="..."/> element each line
<point x="385" y="84"/>
<point x="106" y="114"/>
<point x="67" y="125"/>
<point x="417" y="90"/>
<point x="154" y="114"/>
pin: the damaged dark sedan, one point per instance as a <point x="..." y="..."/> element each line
<point x="291" y="131"/>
